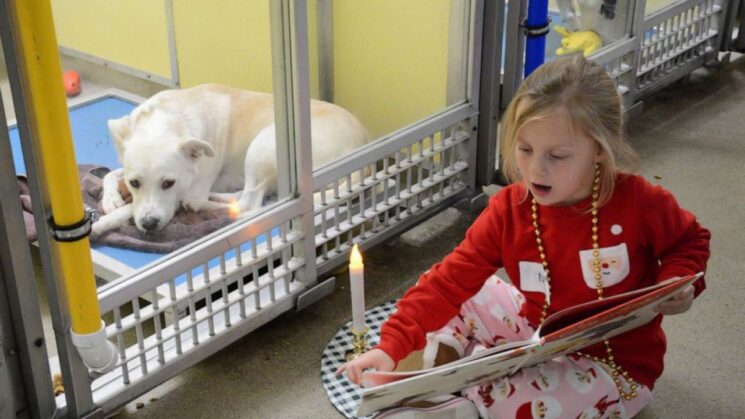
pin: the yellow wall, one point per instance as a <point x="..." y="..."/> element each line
<point x="229" y="42"/>
<point x="224" y="41"/>
<point x="390" y="57"/>
<point x="390" y="60"/>
<point x="129" y="32"/>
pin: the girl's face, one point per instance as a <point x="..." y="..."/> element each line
<point x="556" y="164"/>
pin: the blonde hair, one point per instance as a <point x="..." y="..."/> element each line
<point x="583" y="91"/>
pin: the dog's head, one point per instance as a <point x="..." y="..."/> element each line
<point x="159" y="167"/>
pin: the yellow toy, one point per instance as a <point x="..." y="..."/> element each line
<point x="571" y="42"/>
<point x="57" y="385"/>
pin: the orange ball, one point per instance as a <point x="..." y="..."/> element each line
<point x="71" y="80"/>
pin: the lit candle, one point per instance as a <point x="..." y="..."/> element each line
<point x="357" y="285"/>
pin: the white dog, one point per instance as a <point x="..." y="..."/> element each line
<point x="179" y="146"/>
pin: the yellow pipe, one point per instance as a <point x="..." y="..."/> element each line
<point x="39" y="57"/>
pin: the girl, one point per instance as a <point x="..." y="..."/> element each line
<point x="573" y="227"/>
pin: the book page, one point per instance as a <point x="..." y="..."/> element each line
<point x="373" y="378"/>
<point x="602" y="319"/>
<point x="445" y="379"/>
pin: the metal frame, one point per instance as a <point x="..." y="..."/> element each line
<point x="457" y="52"/>
<point x="737" y="8"/>
<point x="489" y="104"/>
<point x="325" y="44"/>
<point x="732" y="26"/>
<point x="172" y="50"/>
<point x="23" y="334"/>
<point x="77" y="397"/>
<point x="512" y="74"/>
<point x="675" y="41"/>
<point x="8" y="381"/>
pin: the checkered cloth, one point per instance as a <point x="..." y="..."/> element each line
<point x="344" y="395"/>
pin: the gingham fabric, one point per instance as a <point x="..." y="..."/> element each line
<point x="344" y="395"/>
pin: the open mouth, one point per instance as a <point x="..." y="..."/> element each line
<point x="540" y="189"/>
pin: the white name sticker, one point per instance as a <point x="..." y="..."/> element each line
<point x="534" y="278"/>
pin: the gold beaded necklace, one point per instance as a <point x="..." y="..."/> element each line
<point x="617" y="370"/>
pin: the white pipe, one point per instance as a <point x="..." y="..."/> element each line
<point x="97" y="352"/>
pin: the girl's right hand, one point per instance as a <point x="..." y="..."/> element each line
<point x="375" y="358"/>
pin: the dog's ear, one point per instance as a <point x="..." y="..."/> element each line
<point x="120" y="129"/>
<point x="194" y="148"/>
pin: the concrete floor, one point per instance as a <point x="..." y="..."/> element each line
<point x="691" y="140"/>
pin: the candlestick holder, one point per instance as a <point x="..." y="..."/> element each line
<point x="359" y="344"/>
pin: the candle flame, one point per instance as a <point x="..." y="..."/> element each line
<point x="234" y="210"/>
<point x="355" y="259"/>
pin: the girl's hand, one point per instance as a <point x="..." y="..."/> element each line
<point x="678" y="304"/>
<point x="375" y="358"/>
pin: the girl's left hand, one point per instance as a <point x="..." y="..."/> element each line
<point x="678" y="304"/>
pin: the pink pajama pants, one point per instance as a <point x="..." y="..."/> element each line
<point x="565" y="387"/>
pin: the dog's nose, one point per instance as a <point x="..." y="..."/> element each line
<point x="150" y="223"/>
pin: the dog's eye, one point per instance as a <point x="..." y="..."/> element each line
<point x="168" y="183"/>
<point x="134" y="183"/>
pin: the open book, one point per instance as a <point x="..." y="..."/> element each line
<point x="564" y="332"/>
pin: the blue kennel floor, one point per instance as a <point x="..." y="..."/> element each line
<point x="93" y="145"/>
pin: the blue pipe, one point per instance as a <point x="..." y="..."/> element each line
<point x="535" y="47"/>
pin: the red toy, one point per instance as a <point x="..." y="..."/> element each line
<point x="71" y="79"/>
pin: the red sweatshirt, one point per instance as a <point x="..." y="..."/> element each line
<point x="644" y="237"/>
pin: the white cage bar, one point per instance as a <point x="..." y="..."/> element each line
<point x="675" y="41"/>
<point x="249" y="282"/>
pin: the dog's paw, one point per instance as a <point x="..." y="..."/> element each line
<point x="113" y="220"/>
<point x="97" y="229"/>
<point x="101" y="225"/>
<point x="111" y="200"/>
